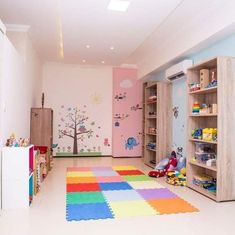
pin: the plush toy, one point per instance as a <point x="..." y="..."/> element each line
<point x="181" y="163"/>
<point x="172" y="162"/>
<point x="165" y="165"/>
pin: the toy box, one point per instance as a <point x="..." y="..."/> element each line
<point x="204" y="157"/>
<point x="203" y="148"/>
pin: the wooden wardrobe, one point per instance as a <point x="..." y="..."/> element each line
<point x="41" y="127"/>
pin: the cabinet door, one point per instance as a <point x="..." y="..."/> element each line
<point x="46" y="135"/>
<point x="36" y="127"/>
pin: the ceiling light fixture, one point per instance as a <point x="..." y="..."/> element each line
<point x="111" y="48"/>
<point x="84" y="61"/>
<point x="102" y="62"/>
<point x="60" y="31"/>
<point x="88" y="46"/>
<point x="118" y="5"/>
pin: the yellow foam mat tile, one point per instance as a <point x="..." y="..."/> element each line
<point x="123" y="168"/>
<point x="79" y="174"/>
<point x="131" y="209"/>
<point x="145" y="184"/>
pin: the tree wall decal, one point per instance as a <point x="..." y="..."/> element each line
<point x="74" y="125"/>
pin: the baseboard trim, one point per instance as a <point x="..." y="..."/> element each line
<point x="81" y="156"/>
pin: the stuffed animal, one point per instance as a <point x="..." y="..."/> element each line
<point x="165" y="165"/>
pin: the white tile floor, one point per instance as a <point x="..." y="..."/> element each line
<point x="46" y="216"/>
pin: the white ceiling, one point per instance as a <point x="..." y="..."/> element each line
<point x="87" y="22"/>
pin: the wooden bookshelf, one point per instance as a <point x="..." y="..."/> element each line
<point x="204" y="91"/>
<point x="223" y="95"/>
<point x="203" y="115"/>
<point x="203" y="141"/>
<point x="161" y="121"/>
<point x="213" y="168"/>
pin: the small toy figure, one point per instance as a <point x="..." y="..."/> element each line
<point x="204" y="109"/>
<point x="25" y="142"/>
<point x="8" y="143"/>
<point x="213" y="82"/>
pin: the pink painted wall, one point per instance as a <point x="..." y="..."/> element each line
<point x="127" y="113"/>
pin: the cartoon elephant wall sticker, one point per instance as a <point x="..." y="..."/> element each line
<point x="131" y="142"/>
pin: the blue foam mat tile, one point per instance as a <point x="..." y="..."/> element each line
<point x="90" y="211"/>
<point x="115" y="186"/>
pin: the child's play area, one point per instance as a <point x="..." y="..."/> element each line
<point x="117" y="117"/>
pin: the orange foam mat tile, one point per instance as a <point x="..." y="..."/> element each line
<point x="172" y="206"/>
<point x="80" y="180"/>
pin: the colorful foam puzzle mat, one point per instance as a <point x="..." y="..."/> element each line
<point x="117" y="192"/>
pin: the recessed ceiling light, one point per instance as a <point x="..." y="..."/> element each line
<point x="102" y="62"/>
<point x="111" y="48"/>
<point x="118" y="5"/>
<point x="88" y="46"/>
<point x="84" y="61"/>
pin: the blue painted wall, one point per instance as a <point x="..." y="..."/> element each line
<point x="225" y="47"/>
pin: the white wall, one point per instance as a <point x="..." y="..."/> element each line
<point x="69" y="86"/>
<point x="21" y="84"/>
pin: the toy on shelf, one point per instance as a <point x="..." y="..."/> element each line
<point x="165" y="165"/>
<point x="152" y="98"/>
<point x="152" y="113"/>
<point x="213" y="82"/>
<point x="152" y="130"/>
<point x="13" y="142"/>
<point x="196" y="108"/>
<point x="197" y="133"/>
<point x="204" y="78"/>
<point x="44" y="161"/>
<point x="151" y="145"/>
<point x="205" y="109"/>
<point x="205" y="181"/>
<point x="214" y="108"/>
<point x="209" y="134"/>
<point x="194" y="86"/>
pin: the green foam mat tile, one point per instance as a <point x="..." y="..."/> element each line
<point x="85" y="197"/>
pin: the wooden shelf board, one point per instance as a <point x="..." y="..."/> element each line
<point x="151" y="102"/>
<point x="149" y="117"/>
<point x="154" y="150"/>
<point x="212" y="168"/>
<point x="151" y="86"/>
<point x="205" y="91"/>
<point x="203" y="141"/>
<point x="150" y="134"/>
<point x="209" y="64"/>
<point x="204" y="115"/>
<point x="202" y="191"/>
